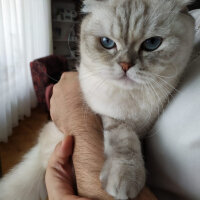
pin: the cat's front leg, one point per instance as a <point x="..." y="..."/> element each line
<point x="123" y="173"/>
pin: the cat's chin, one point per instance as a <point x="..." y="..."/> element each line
<point x="125" y="83"/>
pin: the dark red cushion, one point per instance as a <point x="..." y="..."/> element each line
<point x="46" y="71"/>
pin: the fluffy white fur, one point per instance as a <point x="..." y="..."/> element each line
<point x="26" y="180"/>
<point x="129" y="102"/>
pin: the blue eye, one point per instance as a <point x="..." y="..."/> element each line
<point x="107" y="43"/>
<point x="152" y="44"/>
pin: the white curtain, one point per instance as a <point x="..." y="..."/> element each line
<point x="25" y="34"/>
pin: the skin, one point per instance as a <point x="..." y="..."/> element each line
<point x="73" y="117"/>
<point x="59" y="176"/>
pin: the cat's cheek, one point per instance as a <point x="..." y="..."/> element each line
<point x="158" y="70"/>
<point x="117" y="71"/>
<point x="133" y="75"/>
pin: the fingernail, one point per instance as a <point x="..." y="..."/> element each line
<point x="67" y="144"/>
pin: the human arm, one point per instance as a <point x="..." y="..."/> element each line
<point x="72" y="116"/>
<point x="59" y="175"/>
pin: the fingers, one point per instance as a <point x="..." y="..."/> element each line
<point x="63" y="152"/>
<point x="63" y="93"/>
<point x="66" y="148"/>
<point x="68" y="75"/>
<point x="59" y="176"/>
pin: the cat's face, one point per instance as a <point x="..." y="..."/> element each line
<point x="131" y="43"/>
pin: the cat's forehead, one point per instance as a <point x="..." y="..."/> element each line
<point x="92" y="5"/>
<point x="131" y="19"/>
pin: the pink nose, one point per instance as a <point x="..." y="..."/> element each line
<point x="125" y="66"/>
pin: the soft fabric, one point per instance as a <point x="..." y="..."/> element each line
<point x="46" y="71"/>
<point x="173" y="148"/>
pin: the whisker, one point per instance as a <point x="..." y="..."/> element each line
<point x="169" y="85"/>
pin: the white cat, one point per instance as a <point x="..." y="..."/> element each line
<point x="133" y="53"/>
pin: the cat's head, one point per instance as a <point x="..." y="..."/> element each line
<point x="136" y="42"/>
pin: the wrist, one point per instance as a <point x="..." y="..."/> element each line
<point x="88" y="159"/>
<point x="84" y="124"/>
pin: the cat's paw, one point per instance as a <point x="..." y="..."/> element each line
<point x="122" y="180"/>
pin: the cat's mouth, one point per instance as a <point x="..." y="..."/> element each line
<point x="126" y="80"/>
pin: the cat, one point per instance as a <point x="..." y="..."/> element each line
<point x="132" y="55"/>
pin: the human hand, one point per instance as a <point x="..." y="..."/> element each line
<point x="68" y="110"/>
<point x="72" y="116"/>
<point x="66" y="98"/>
<point x="59" y="176"/>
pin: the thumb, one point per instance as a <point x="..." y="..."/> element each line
<point x="62" y="153"/>
<point x="65" y="149"/>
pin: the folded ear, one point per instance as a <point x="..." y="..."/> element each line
<point x="90" y="5"/>
<point x="183" y="3"/>
<point x="180" y="5"/>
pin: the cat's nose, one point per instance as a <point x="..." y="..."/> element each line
<point x="125" y="66"/>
